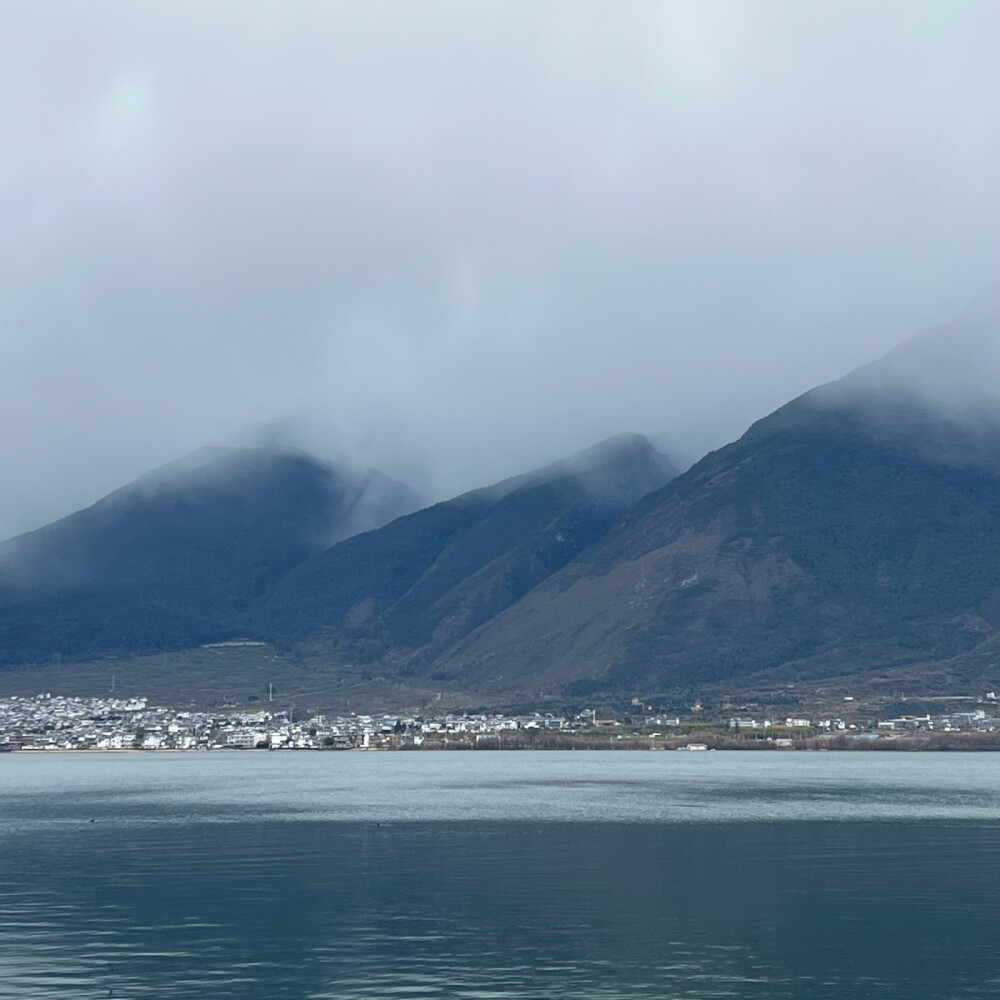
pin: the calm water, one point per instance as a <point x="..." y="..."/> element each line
<point x="256" y="876"/>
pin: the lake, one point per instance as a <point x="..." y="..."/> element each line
<point x="252" y="876"/>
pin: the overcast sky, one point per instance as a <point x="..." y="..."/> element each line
<point x="477" y="235"/>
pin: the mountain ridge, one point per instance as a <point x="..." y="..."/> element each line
<point x="792" y="548"/>
<point x="853" y="531"/>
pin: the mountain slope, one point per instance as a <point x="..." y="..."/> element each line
<point x="174" y="558"/>
<point x="404" y="593"/>
<point x="855" y="528"/>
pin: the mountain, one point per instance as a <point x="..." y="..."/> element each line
<point x="176" y="557"/>
<point x="852" y="535"/>
<point x="854" y="530"/>
<point x="402" y="595"/>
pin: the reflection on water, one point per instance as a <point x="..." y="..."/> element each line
<point x="485" y="875"/>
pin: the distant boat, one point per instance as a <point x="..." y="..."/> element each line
<point x="694" y="746"/>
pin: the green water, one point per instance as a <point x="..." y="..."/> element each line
<point x="516" y="875"/>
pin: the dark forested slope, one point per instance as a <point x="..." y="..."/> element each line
<point x="176" y="557"/>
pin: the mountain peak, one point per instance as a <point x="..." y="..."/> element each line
<point x="181" y="551"/>
<point x="619" y="470"/>
<point x="954" y="366"/>
<point x="936" y="396"/>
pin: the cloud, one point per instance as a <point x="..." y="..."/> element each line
<point x="474" y="236"/>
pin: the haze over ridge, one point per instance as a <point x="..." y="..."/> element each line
<point x="481" y="237"/>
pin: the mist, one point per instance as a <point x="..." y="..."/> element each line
<point x="457" y="241"/>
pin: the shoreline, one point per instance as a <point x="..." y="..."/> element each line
<point x="889" y="746"/>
